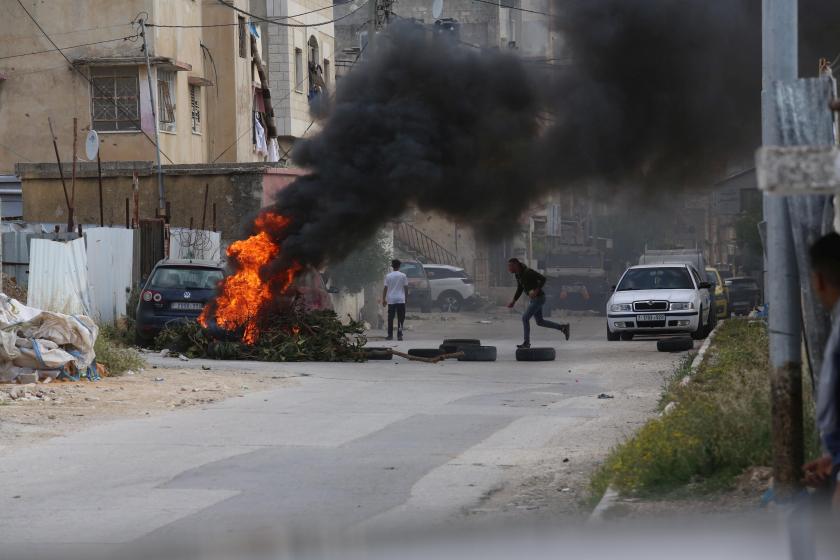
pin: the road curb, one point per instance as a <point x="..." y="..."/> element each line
<point x="607" y="501"/>
<point x="611" y="494"/>
<point x="701" y="354"/>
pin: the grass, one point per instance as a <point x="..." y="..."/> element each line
<point x="114" y="352"/>
<point x="720" y="427"/>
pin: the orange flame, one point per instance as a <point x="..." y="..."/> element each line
<point x="242" y="296"/>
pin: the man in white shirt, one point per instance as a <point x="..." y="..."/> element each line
<point x="393" y="295"/>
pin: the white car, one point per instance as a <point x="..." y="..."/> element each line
<point x="451" y="286"/>
<point x="660" y="299"/>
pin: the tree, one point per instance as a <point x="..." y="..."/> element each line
<point x="360" y="268"/>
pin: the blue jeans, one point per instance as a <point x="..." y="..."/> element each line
<point x="535" y="310"/>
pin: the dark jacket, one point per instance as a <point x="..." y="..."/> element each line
<point x="528" y="280"/>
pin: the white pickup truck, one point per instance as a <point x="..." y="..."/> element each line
<point x="656" y="299"/>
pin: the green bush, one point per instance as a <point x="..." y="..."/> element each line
<point x="114" y="354"/>
<point x="721" y="425"/>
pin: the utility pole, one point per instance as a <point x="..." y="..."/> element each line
<point x="161" y="191"/>
<point x="373" y="24"/>
<point x="780" y="63"/>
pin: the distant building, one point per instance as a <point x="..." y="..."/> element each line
<point x="299" y="52"/>
<point x="212" y="69"/>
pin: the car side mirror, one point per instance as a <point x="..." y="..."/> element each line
<point x="705" y="286"/>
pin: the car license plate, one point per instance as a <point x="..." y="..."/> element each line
<point x="187" y="306"/>
<point x="645" y="318"/>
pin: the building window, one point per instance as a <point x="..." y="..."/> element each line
<point x="167" y="94"/>
<point x="300" y="75"/>
<point x="195" y="104"/>
<point x="243" y="38"/>
<point x="115" y="98"/>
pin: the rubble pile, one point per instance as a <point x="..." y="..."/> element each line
<point x="296" y="335"/>
<point x="42" y="345"/>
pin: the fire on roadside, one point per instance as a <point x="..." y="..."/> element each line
<point x="244" y="296"/>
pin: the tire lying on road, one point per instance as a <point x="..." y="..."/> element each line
<point x="473" y="353"/>
<point x="378" y="353"/>
<point x="449" y="347"/>
<point x="535" y="355"/>
<point x="675" y="345"/>
<point x="473" y="341"/>
<point x="425" y="352"/>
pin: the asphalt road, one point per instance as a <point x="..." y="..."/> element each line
<point x="351" y="447"/>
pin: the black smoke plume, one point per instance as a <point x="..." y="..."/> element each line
<point x="661" y="94"/>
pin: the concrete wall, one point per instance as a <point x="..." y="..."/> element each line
<point x="42" y="86"/>
<point x="236" y="190"/>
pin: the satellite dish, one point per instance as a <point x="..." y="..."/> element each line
<point x="92" y="145"/>
<point x="437" y="8"/>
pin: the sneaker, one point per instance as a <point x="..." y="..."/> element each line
<point x="566" y="330"/>
<point x="399" y="336"/>
<point x="524" y="345"/>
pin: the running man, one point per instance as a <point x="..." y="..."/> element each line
<point x="393" y="295"/>
<point x="531" y="282"/>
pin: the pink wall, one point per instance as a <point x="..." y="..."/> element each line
<point x="275" y="180"/>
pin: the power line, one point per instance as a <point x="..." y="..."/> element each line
<point x="262" y="19"/>
<point x="91" y="82"/>
<point x="274" y="20"/>
<point x="8" y="149"/>
<point x="128" y="38"/>
<point x="500" y="5"/>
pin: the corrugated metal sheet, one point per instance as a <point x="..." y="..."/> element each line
<point x="187" y="243"/>
<point x="805" y="119"/>
<point x="58" y="279"/>
<point x="110" y="261"/>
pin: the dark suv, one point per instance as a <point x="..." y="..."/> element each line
<point x="176" y="289"/>
<point x="744" y="295"/>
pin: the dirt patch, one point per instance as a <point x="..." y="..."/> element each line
<point x="33" y="413"/>
<point x="745" y="496"/>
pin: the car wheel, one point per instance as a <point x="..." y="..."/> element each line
<point x="613" y="337"/>
<point x="700" y="332"/>
<point x="713" y="319"/>
<point x="535" y="354"/>
<point x="450" y="302"/>
<point x="627" y="337"/>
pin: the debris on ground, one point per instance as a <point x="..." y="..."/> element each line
<point x="605" y="396"/>
<point x="36" y="344"/>
<point x="294" y="336"/>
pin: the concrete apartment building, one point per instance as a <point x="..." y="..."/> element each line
<point x="300" y="57"/>
<point x="215" y="109"/>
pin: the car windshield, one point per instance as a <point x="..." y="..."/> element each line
<point x="711" y="277"/>
<point x="656" y="279"/>
<point x="185" y="278"/>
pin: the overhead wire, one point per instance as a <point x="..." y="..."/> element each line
<point x="261" y="19"/>
<point x="126" y="38"/>
<point x="500" y="5"/>
<point x="90" y="81"/>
